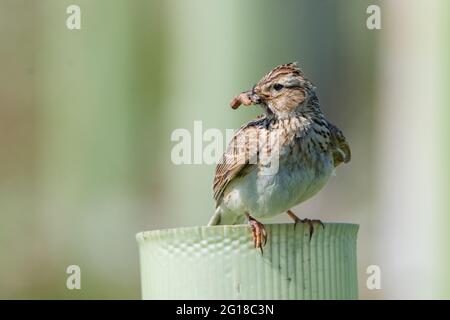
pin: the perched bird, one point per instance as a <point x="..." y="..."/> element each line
<point x="279" y="159"/>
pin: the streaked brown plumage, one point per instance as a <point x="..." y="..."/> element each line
<point x="294" y="133"/>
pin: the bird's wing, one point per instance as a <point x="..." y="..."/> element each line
<point x="240" y="157"/>
<point x="341" y="148"/>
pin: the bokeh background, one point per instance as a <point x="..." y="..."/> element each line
<point x="86" y="118"/>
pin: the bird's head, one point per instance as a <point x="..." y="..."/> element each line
<point x="280" y="92"/>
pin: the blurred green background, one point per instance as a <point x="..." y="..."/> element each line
<point x="86" y="118"/>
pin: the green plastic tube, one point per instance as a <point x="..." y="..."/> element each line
<point x="220" y="262"/>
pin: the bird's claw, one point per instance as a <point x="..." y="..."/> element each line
<point x="310" y="224"/>
<point x="259" y="233"/>
<point x="308" y="221"/>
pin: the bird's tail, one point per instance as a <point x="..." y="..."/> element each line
<point x="215" y="219"/>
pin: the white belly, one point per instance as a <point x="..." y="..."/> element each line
<point x="264" y="196"/>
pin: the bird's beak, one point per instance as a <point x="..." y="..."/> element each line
<point x="246" y="98"/>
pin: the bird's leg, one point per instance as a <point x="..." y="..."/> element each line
<point x="259" y="233"/>
<point x="308" y="221"/>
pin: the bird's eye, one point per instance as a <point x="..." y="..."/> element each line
<point x="278" y="86"/>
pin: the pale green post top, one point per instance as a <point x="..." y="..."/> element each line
<point x="220" y="262"/>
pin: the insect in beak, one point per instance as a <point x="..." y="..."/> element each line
<point x="246" y="98"/>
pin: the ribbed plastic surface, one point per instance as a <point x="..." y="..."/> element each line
<point x="220" y="262"/>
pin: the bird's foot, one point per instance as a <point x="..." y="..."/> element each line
<point x="306" y="220"/>
<point x="259" y="233"/>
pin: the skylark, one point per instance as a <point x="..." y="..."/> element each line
<point x="279" y="159"/>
